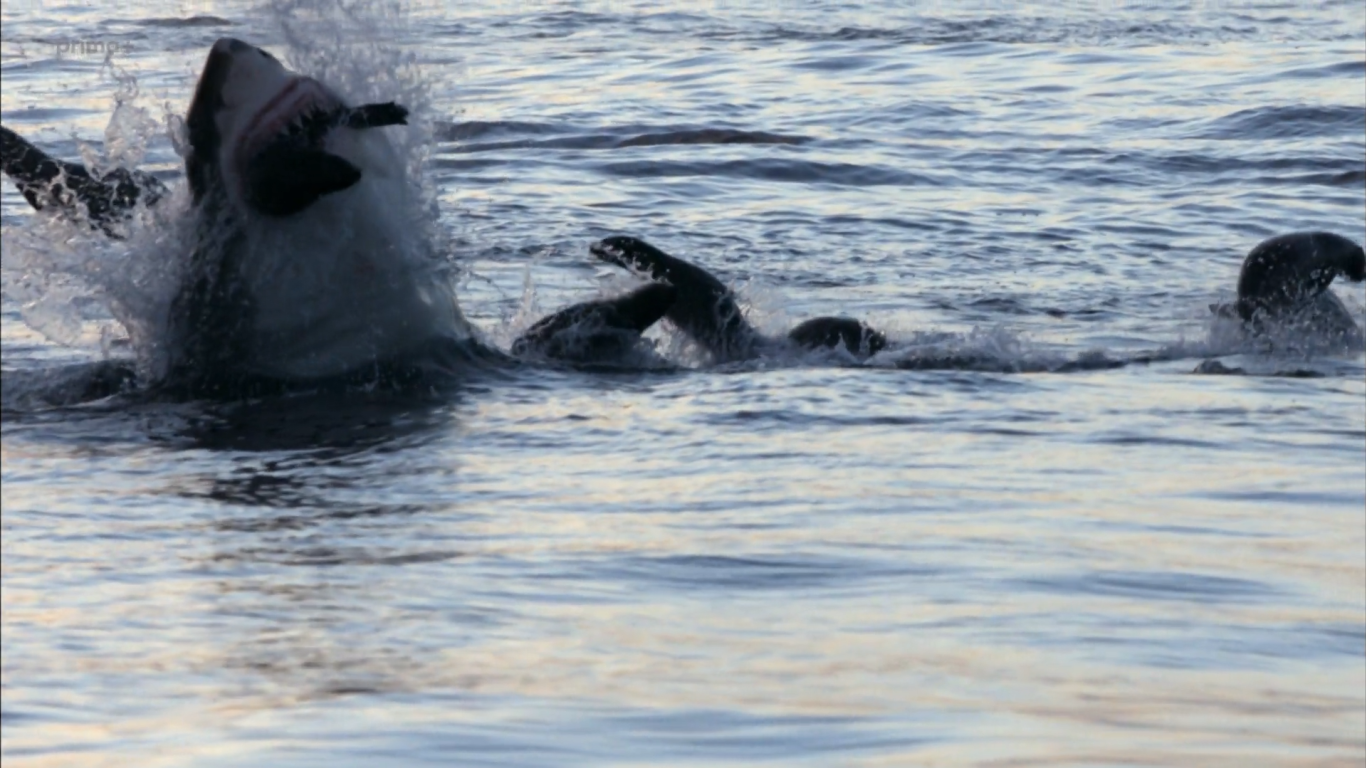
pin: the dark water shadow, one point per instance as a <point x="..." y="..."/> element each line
<point x="329" y="424"/>
<point x="299" y="462"/>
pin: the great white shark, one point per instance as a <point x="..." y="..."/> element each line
<point x="306" y="265"/>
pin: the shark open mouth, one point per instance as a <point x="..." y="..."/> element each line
<point x="300" y="114"/>
<point x="279" y="162"/>
<point x="262" y="132"/>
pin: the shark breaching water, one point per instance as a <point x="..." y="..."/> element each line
<point x="306" y="266"/>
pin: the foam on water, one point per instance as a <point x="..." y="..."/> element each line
<point x="359" y="50"/>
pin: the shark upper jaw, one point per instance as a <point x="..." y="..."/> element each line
<point x="245" y="102"/>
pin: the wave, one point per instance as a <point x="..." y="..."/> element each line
<point x="200" y="20"/>
<point x="773" y="169"/>
<point x="611" y="139"/>
<point x="1286" y="122"/>
<point x="474" y="129"/>
<point x="1017" y="29"/>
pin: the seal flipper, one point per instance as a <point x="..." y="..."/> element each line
<point x="50" y="183"/>
<point x="597" y="331"/>
<point x="285" y="179"/>
<point x="704" y="309"/>
<point x="858" y="337"/>
<point x="376" y="115"/>
<point x="641" y="308"/>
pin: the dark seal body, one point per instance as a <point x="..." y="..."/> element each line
<point x="1288" y="272"/>
<point x="707" y="312"/>
<point x="596" y="332"/>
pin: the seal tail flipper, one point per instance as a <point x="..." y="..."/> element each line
<point x="858" y="337"/>
<point x="48" y="183"/>
<point x="43" y="180"/>
<point x="641" y="308"/>
<point x="286" y="179"/>
<point x="704" y="309"/>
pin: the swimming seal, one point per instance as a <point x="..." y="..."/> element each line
<point x="706" y="311"/>
<point x="1285" y="279"/>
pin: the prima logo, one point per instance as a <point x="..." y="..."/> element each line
<point x="89" y="47"/>
<point x="75" y="47"/>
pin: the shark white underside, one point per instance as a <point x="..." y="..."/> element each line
<point x="350" y="280"/>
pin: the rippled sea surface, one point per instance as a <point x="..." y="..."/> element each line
<point x="965" y="553"/>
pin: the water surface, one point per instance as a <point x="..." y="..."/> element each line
<point x="795" y="562"/>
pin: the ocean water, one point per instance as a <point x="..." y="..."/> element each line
<point x="986" y="547"/>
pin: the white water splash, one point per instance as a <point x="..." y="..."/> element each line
<point x="81" y="289"/>
<point x="364" y="50"/>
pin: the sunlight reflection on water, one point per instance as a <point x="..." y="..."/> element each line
<point x="789" y="562"/>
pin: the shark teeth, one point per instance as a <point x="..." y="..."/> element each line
<point x="289" y="115"/>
